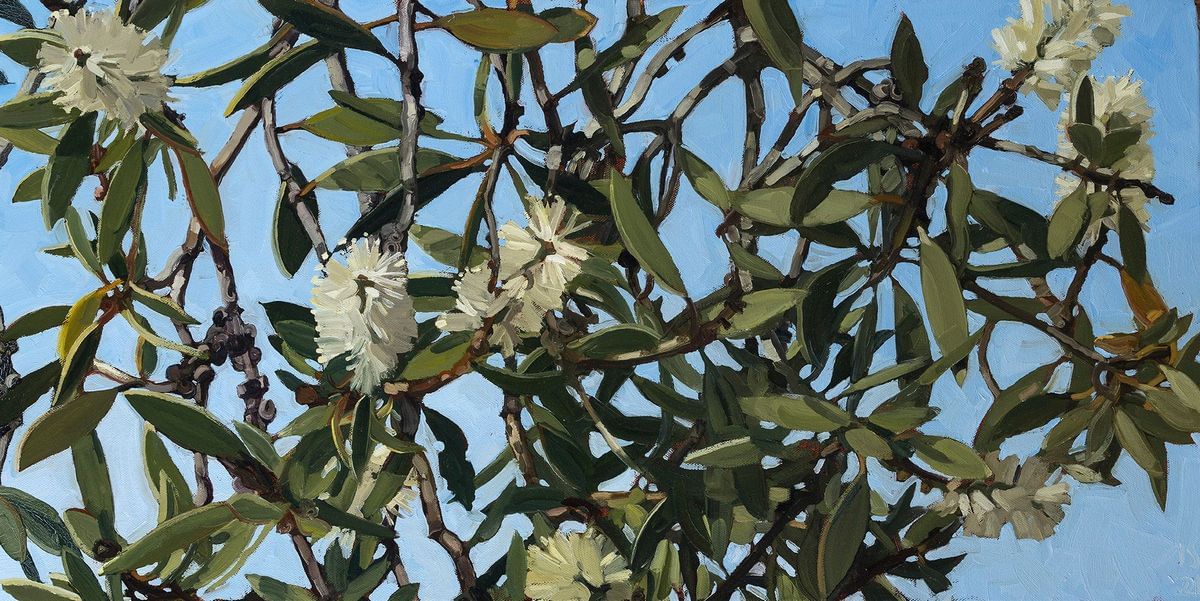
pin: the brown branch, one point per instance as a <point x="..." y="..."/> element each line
<point x="1065" y="340"/>
<point x="286" y="169"/>
<point x="410" y="85"/>
<point x="438" y="532"/>
<point x="312" y="568"/>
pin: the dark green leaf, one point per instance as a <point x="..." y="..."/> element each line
<point x="324" y="23"/>
<point x="452" y="459"/>
<point x="203" y="196"/>
<point x="944" y="304"/>
<point x="640" y="238"/>
<point x="908" y="63"/>
<point x="62" y="425"/>
<point x="70" y="163"/>
<point x="186" y="424"/>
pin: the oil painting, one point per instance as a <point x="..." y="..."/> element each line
<point x="599" y="300"/>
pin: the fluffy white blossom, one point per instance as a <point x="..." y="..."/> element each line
<point x="363" y="310"/>
<point x="581" y="566"/>
<point x="105" y="65"/>
<point x="1058" y="40"/>
<point x="1118" y="103"/>
<point x="1018" y="496"/>
<point x="537" y="262"/>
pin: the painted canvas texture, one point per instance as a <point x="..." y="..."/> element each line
<point x="316" y="300"/>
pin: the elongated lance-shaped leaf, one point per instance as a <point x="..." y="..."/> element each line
<point x="639" y="236"/>
<point x="944" y="304"/>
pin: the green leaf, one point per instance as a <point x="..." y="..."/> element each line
<point x="959" y="191"/>
<point x="1088" y="140"/>
<point x="81" y="243"/>
<point x="797" y="413"/>
<point x="950" y="457"/>
<point x="81" y="578"/>
<point x="841" y="161"/>
<point x="1133" y="244"/>
<point x="259" y="445"/>
<point x="989" y="435"/>
<point x="186" y="424"/>
<point x="886" y="375"/>
<point x="439" y="357"/>
<point x="779" y="33"/>
<point x="641" y="32"/>
<point x="908" y="63"/>
<point x="77" y="363"/>
<point x="1067" y="222"/>
<point x="378" y="170"/>
<point x="515" y="566"/>
<point x="161" y="305"/>
<point x="28" y="390"/>
<point x="174" y="134"/>
<point x="944" y="304"/>
<point x="667" y="399"/>
<point x="192" y="526"/>
<point x="367" y="581"/>
<point x="70" y="163"/>
<point x="203" y="196"/>
<point x="30" y="188"/>
<point x="452" y="459"/>
<point x="1084" y="102"/>
<point x="29" y="140"/>
<point x="290" y="239"/>
<point x="12" y="532"/>
<point x="45" y="528"/>
<point x="326" y="24"/>
<point x="34" y="322"/>
<point x="62" y="425"/>
<point x="28" y="590"/>
<point x="239" y="68"/>
<point x="614" y="340"/>
<point x="737" y="452"/>
<point x="498" y="30"/>
<point x="842" y="534"/>
<point x="274" y="590"/>
<point x="868" y="443"/>
<point x="769" y="206"/>
<point x="444" y="246"/>
<point x="762" y="310"/>
<point x="752" y="263"/>
<point x="115" y="213"/>
<point x="276" y="73"/>
<point x="142" y="327"/>
<point x="571" y="23"/>
<point x="35" y="111"/>
<point x="838" y="206"/>
<point x="1149" y="454"/>
<point x="639" y="236"/>
<point x="24" y="45"/>
<point x="1117" y="142"/>
<point x="347" y="126"/>
<point x="704" y="180"/>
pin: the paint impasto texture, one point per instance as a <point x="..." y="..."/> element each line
<point x="307" y="300"/>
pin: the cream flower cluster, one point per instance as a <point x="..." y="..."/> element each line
<point x="105" y="65"/>
<point x="1057" y="40"/>
<point x="1118" y="102"/>
<point x="537" y="263"/>
<point x="1018" y="496"/>
<point x="363" y="310"/>
<point x="581" y="566"/>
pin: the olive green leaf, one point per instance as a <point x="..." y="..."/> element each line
<point x="34" y="322"/>
<point x="842" y="534"/>
<point x="203" y="196"/>
<point x="324" y="23"/>
<point x="498" y="30"/>
<point x="797" y="413"/>
<point x="944" y="304"/>
<point x="779" y="33"/>
<point x="186" y="424"/>
<point x="908" y="63"/>
<point x="1067" y="222"/>
<point x="62" y="425"/>
<point x="950" y="457"/>
<point x="70" y="163"/>
<point x="639" y="236"/>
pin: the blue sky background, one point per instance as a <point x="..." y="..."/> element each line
<point x="1114" y="542"/>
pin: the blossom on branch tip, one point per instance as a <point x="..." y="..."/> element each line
<point x="537" y="263"/>
<point x="363" y="310"/>
<point x="1118" y="103"/>
<point x="1057" y="40"/>
<point x="580" y="566"/>
<point x="104" y="65"/>
<point x="1018" y="496"/>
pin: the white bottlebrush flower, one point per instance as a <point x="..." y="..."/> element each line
<point x="1118" y="102"/>
<point x="105" y="65"/>
<point x="537" y="263"/>
<point x="1017" y="496"/>
<point x="1058" y="40"/>
<point x="581" y="566"/>
<point x="363" y="310"/>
